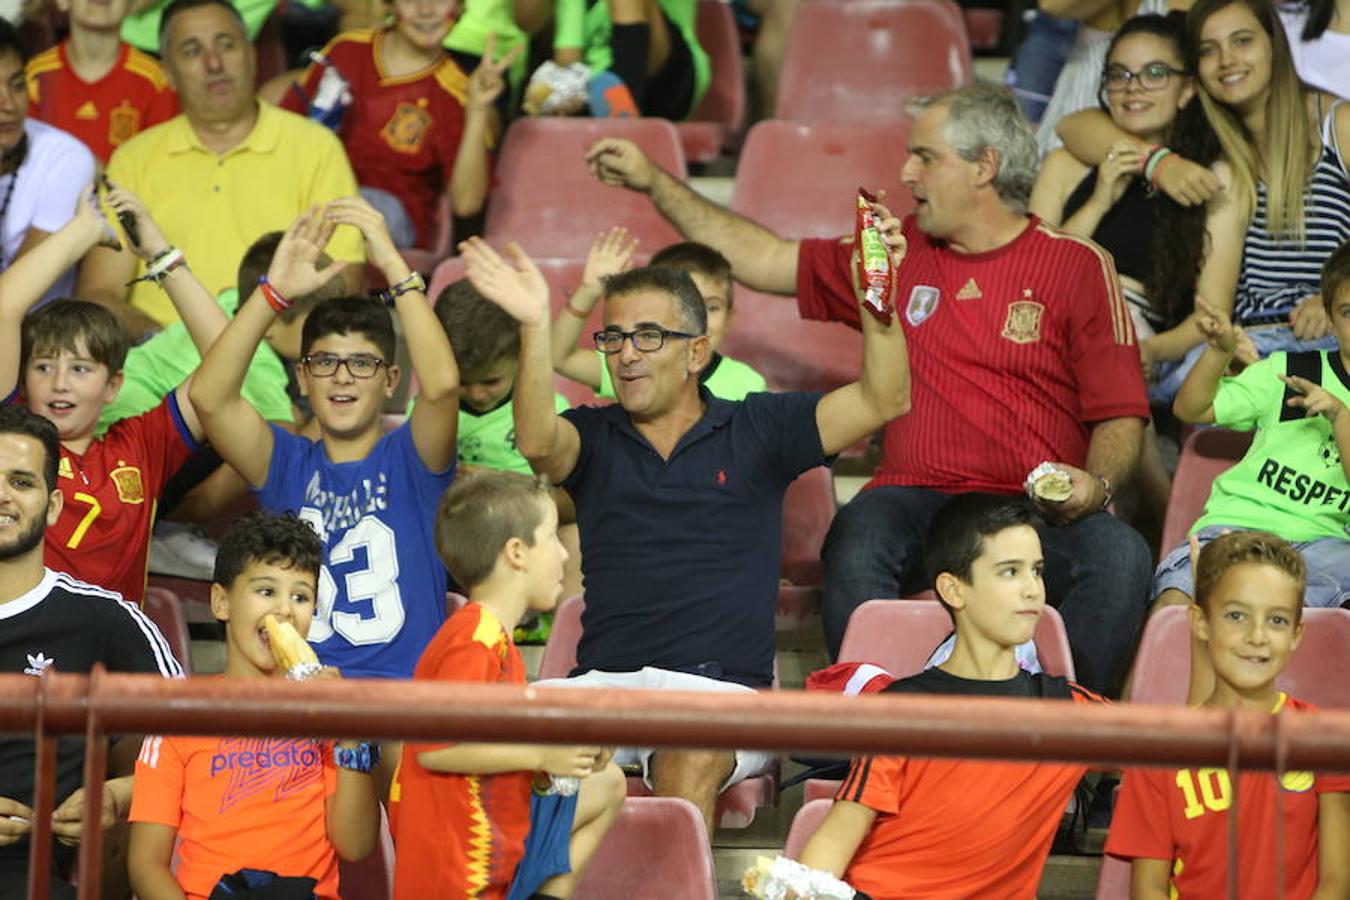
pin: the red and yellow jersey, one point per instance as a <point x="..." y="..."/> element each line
<point x="402" y="132"/>
<point x="103" y="533"/>
<point x="132" y="97"/>
<point x="240" y="803"/>
<point x="460" y="835"/>
<point x="953" y="828"/>
<point x="1181" y="815"/>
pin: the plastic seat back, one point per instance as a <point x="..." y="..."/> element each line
<point x="720" y="116"/>
<point x="824" y="163"/>
<point x="560" y="651"/>
<point x="165" y="609"/>
<point x="1318" y="670"/>
<point x="1113" y="881"/>
<point x="808" y="510"/>
<point x="1206" y="455"/>
<point x="862" y="60"/>
<point x="657" y="849"/>
<point x="900" y="635"/>
<point x="545" y="199"/>
<point x="804" y="824"/>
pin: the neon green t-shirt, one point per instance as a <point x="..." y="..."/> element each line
<point x="482" y="18"/>
<point x="1291" y="482"/>
<point x="589" y="29"/>
<point x="488" y="439"/>
<point x="141" y="30"/>
<point x="158" y="366"/>
<point x="724" y="377"/>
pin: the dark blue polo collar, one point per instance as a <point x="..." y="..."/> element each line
<point x="716" y="414"/>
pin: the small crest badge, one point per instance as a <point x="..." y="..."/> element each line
<point x="123" y="123"/>
<point x="407" y="127"/>
<point x="127" y="480"/>
<point x="1023" y="325"/>
<point x="923" y="302"/>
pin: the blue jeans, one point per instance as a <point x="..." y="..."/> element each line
<point x="1037" y="62"/>
<point x="1098" y="572"/>
<point x="1327" y="559"/>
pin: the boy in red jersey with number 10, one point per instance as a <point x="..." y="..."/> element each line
<point x="481" y="820"/>
<point x="1173" y="824"/>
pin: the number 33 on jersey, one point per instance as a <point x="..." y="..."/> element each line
<point x="382" y="585"/>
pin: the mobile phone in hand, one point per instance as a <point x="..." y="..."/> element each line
<point x="126" y="219"/>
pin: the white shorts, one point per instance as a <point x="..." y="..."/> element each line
<point x="748" y="762"/>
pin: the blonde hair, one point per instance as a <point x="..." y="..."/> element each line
<point x="1283" y="160"/>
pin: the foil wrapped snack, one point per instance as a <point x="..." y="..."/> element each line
<point x="1050" y="483"/>
<point x="556" y="90"/>
<point x="780" y="877"/>
<point x="875" y="276"/>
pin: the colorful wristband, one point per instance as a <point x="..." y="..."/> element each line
<point x="583" y="316"/>
<point x="273" y="297"/>
<point x="1155" y="159"/>
<point x="361" y="758"/>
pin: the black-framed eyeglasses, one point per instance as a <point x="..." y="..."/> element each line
<point x="325" y="365"/>
<point x="646" y="340"/>
<point x="1152" y="77"/>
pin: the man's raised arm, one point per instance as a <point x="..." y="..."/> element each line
<point x="850" y="413"/>
<point x="759" y="258"/>
<point x="547" y="440"/>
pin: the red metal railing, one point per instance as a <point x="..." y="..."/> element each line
<point x="1116" y="735"/>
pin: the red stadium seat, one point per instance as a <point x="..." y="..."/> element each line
<point x="545" y="199"/>
<point x="861" y="60"/>
<point x="1318" y="670"/>
<point x="1206" y="455"/>
<point x="441" y="241"/>
<point x="720" y="116"/>
<point x="737" y="804"/>
<point x="165" y="609"/>
<point x="1113" y="881"/>
<point x="656" y="850"/>
<point x="825" y="163"/>
<point x="804" y="824"/>
<point x="454" y="603"/>
<point x="808" y="510"/>
<point x="900" y="635"/>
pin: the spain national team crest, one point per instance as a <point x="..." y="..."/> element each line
<point x="407" y="127"/>
<point x="1023" y="325"/>
<point x="123" y="123"/>
<point x="127" y="480"/>
<point x="923" y="302"/>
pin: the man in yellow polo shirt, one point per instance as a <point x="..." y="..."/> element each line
<point x="227" y="170"/>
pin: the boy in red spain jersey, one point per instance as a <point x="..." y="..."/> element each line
<point x="1173" y="823"/>
<point x="480" y="820"/>
<point x="415" y="125"/>
<point x="288" y="806"/>
<point x="895" y="821"/>
<point x="70" y="355"/>
<point x="93" y="85"/>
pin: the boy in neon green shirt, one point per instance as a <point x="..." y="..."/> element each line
<point x="1295" y="480"/>
<point x="725" y="378"/>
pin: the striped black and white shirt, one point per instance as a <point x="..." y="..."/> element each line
<point x="1276" y="275"/>
<point x="66" y="625"/>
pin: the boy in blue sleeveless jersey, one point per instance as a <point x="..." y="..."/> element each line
<point x="370" y="496"/>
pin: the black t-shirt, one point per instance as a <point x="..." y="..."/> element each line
<point x="681" y="556"/>
<point x="68" y="626"/>
<point x="1023" y="684"/>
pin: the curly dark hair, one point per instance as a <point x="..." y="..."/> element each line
<point x="284" y="540"/>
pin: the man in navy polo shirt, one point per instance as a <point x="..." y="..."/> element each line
<point x="679" y="495"/>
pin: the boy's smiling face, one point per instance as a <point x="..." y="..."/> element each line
<point x="1251" y="622"/>
<point x="1005" y="596"/>
<point x="345" y="405"/>
<point x="69" y="388"/>
<point x="263" y="587"/>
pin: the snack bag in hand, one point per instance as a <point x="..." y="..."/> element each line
<point x="874" y="259"/>
<point x="780" y="878"/>
<point x="292" y="652"/>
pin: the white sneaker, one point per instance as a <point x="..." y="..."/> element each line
<point x="183" y="551"/>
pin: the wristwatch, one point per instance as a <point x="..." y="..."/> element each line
<point x="413" y="282"/>
<point x="361" y="758"/>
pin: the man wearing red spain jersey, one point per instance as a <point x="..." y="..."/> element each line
<point x="96" y="87"/>
<point x="1022" y="353"/>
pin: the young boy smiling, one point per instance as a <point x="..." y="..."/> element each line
<point x="1173" y="824"/>
<point x="284" y="805"/>
<point x="895" y="820"/>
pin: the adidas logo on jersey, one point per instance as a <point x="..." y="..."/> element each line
<point x="969" y="291"/>
<point x="87" y="110"/>
<point x="38" y="665"/>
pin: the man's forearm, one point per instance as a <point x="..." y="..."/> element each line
<point x="1113" y="450"/>
<point x="885" y="369"/>
<point x="535" y="418"/>
<point x="759" y="258"/>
